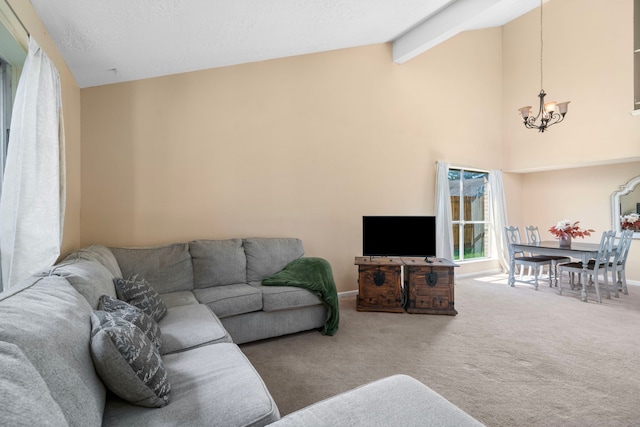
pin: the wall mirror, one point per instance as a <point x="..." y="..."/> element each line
<point x="624" y="202"/>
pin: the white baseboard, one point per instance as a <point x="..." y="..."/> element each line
<point x="347" y="294"/>
<point x="479" y="273"/>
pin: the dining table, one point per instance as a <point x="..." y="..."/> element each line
<point x="578" y="250"/>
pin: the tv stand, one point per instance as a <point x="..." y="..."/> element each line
<point x="427" y="288"/>
<point x="380" y="284"/>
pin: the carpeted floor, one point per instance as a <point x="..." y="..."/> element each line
<point x="511" y="357"/>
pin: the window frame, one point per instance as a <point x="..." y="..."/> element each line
<point x="461" y="222"/>
<point x="6" y="106"/>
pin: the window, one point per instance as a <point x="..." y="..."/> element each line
<point x="6" y="102"/>
<point x="6" y="105"/>
<point x="13" y="52"/>
<point x="469" y="213"/>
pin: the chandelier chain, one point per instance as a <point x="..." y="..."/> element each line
<point x="541" y="47"/>
<point x="550" y="113"/>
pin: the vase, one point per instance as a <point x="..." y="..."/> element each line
<point x="565" y="242"/>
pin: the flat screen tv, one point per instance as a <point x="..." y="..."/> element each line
<point x="399" y="236"/>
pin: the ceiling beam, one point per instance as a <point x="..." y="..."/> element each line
<point x="460" y="16"/>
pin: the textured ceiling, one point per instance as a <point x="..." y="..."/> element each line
<point x="110" y="41"/>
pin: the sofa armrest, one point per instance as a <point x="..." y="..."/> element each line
<point x="398" y="400"/>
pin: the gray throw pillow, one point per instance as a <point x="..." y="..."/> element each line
<point x="134" y="315"/>
<point x="139" y="293"/>
<point x="127" y="361"/>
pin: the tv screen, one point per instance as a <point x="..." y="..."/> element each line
<point x="399" y="236"/>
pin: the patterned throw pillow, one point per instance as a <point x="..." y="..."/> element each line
<point x="127" y="361"/>
<point x="138" y="292"/>
<point x="134" y="315"/>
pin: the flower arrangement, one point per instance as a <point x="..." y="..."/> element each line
<point x="565" y="229"/>
<point x="630" y="221"/>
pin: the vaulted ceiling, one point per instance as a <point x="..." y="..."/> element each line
<point x="113" y="41"/>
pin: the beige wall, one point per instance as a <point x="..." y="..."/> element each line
<point x="588" y="59"/>
<point x="580" y="194"/>
<point x="302" y="146"/>
<point x="305" y="146"/>
<point x="71" y="108"/>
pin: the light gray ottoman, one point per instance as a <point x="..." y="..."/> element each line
<point x="398" y="400"/>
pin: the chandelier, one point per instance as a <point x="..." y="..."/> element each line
<point x="549" y="113"/>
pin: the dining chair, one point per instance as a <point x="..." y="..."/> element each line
<point x="533" y="236"/>
<point x="595" y="268"/>
<point x="617" y="265"/>
<point x="512" y="235"/>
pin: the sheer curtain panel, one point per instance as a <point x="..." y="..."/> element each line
<point x="499" y="217"/>
<point x="33" y="194"/>
<point x="444" y="242"/>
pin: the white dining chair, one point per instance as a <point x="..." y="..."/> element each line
<point x="617" y="264"/>
<point x="595" y="268"/>
<point x="512" y="234"/>
<point x="533" y="236"/>
<point x="619" y="261"/>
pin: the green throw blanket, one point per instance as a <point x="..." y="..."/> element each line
<point x="315" y="275"/>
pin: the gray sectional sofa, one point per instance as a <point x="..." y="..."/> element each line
<point x="57" y="345"/>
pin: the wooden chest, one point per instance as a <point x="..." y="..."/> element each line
<point x="429" y="286"/>
<point x="379" y="284"/>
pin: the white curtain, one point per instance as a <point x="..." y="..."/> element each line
<point x="444" y="243"/>
<point x="33" y="194"/>
<point x="499" y="216"/>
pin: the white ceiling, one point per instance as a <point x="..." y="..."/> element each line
<point x="110" y="41"/>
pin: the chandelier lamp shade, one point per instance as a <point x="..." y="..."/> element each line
<point x="549" y="113"/>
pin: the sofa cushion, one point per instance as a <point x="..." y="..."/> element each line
<point x="285" y="297"/>
<point x="259" y="325"/>
<point x="266" y="256"/>
<point x="230" y="300"/>
<point x="26" y="399"/>
<point x="398" y="400"/>
<point x="127" y="361"/>
<point x="132" y="314"/>
<point x="214" y="385"/>
<point x="218" y="262"/>
<point x="50" y="322"/>
<point x="89" y="277"/>
<point x="101" y="254"/>
<point x="189" y="326"/>
<point x="138" y="292"/>
<point x="166" y="268"/>
<point x="175" y="299"/>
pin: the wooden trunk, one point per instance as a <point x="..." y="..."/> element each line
<point x="429" y="286"/>
<point x="379" y="284"/>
